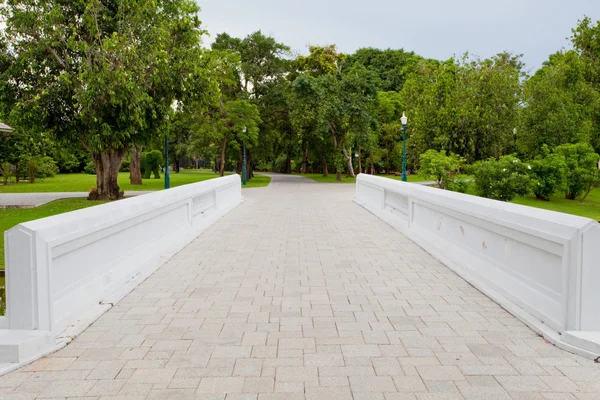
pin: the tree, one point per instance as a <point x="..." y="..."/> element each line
<point x="467" y="106"/>
<point x="443" y="169"/>
<point x="391" y="66"/>
<point x="561" y="106"/>
<point x="103" y="73"/>
<point x="581" y="167"/>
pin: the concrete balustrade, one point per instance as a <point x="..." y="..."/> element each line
<point x="62" y="272"/>
<point x="542" y="266"/>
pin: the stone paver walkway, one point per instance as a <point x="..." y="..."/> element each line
<point x="301" y="294"/>
<point x="31" y="200"/>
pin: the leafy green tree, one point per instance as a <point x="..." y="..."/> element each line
<point x="502" y="179"/>
<point x="103" y="74"/>
<point x="561" y="106"/>
<point x="443" y="169"/>
<point x="581" y="167"/>
<point x="548" y="174"/>
<point x="467" y="106"/>
<point x="388" y="112"/>
<point x="391" y="66"/>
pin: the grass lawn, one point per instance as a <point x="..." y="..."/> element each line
<point x="590" y="207"/>
<point x="331" y="178"/>
<point x="258" y="181"/>
<point x="84" y="182"/>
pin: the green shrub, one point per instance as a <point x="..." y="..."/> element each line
<point x="502" y="179"/>
<point x="151" y="163"/>
<point x="547" y="174"/>
<point x="46" y="167"/>
<point x="581" y="167"/>
<point x="90" y="168"/>
<point x="125" y="166"/>
<point x="443" y="169"/>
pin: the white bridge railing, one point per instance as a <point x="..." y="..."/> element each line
<point x="542" y="266"/>
<point x="63" y="270"/>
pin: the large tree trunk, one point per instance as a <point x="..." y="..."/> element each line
<point x="107" y="173"/>
<point x="135" y="167"/>
<point x="176" y="167"/>
<point x="288" y="165"/>
<point x="372" y="166"/>
<point x="222" y="164"/>
<point x="305" y="160"/>
<point x="325" y="170"/>
<point x="359" y="162"/>
<point x="348" y="155"/>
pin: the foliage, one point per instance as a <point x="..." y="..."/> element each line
<point x="90" y="168"/>
<point x="581" y="167"/>
<point x="561" y="105"/>
<point x="468" y="107"/>
<point x="502" y="179"/>
<point x="443" y="169"/>
<point x="46" y="167"/>
<point x="391" y="66"/>
<point x="6" y="173"/>
<point x="103" y="74"/>
<point x="151" y="164"/>
<point x="548" y="174"/>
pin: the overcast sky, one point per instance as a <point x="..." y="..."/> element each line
<point x="431" y="28"/>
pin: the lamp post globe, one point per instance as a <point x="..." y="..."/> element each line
<point x="404" y="121"/>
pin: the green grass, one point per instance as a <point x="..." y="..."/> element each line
<point x="84" y="182"/>
<point x="331" y="178"/>
<point x="258" y="181"/>
<point x="590" y="207"/>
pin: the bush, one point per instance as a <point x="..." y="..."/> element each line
<point x="90" y="168"/>
<point x="443" y="169"/>
<point x="547" y="174"/>
<point x="502" y="179"/>
<point x="581" y="167"/>
<point x="125" y="166"/>
<point x="46" y="167"/>
<point x="150" y="164"/>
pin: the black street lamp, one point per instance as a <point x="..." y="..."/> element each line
<point x="404" y="121"/>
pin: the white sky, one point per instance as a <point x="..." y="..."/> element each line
<point x="431" y="28"/>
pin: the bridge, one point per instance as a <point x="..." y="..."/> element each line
<point x="303" y="291"/>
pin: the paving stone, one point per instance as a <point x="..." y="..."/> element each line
<point x="301" y="294"/>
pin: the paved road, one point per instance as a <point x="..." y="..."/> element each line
<point x="301" y="294"/>
<point x="30" y="200"/>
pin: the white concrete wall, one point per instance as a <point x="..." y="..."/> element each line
<point x="59" y="268"/>
<point x="541" y="265"/>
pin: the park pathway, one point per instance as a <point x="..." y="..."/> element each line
<point x="301" y="294"/>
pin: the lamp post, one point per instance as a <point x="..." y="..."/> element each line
<point x="167" y="175"/>
<point x="244" y="158"/>
<point x="404" y="121"/>
<point x="515" y="136"/>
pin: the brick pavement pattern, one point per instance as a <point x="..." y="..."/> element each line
<point x="301" y="294"/>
